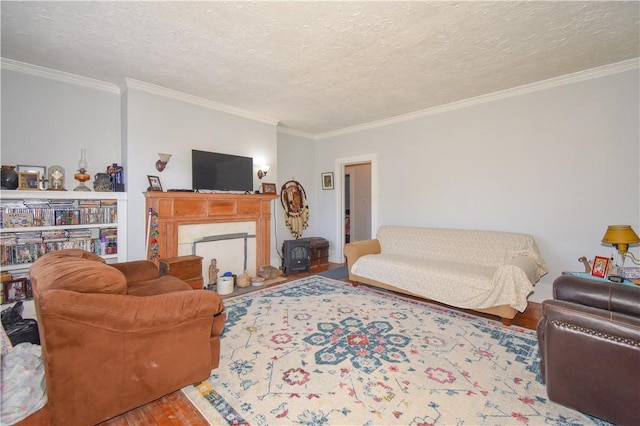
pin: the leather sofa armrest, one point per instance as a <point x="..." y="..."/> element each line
<point x="609" y="296"/>
<point x="353" y="251"/>
<point x="589" y="359"/>
<point x="138" y="270"/>
<point x="597" y="323"/>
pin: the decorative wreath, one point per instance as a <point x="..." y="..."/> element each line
<point x="296" y="210"/>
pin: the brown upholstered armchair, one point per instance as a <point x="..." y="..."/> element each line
<point x="589" y="338"/>
<point x="115" y="337"/>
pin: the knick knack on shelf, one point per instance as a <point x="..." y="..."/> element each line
<point x="102" y="182"/>
<point x="9" y="177"/>
<point x="213" y="272"/>
<point x="82" y="176"/>
<point x="56" y="178"/>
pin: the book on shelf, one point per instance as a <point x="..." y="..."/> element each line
<point x="37" y="204"/>
<point x="54" y="234"/>
<point x="67" y="217"/>
<point x="17" y="219"/>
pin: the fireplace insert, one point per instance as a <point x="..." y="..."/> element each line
<point x="296" y="256"/>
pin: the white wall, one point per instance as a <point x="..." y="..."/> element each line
<point x="47" y="121"/>
<point x="295" y="160"/>
<point x="559" y="163"/>
<point x="158" y="123"/>
<point x="48" y="116"/>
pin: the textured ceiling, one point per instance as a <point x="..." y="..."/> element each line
<point x="321" y="66"/>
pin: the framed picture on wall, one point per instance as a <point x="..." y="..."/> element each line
<point x="327" y="180"/>
<point x="154" y="183"/>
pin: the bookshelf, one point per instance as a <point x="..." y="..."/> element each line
<point x="33" y="223"/>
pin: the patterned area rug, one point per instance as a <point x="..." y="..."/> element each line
<point x="321" y="352"/>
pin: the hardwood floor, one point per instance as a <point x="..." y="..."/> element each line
<point x="176" y="409"/>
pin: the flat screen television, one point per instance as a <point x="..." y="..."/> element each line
<point x="221" y="172"/>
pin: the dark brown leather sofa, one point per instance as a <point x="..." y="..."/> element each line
<point x="589" y="338"/>
<point x="115" y="337"/>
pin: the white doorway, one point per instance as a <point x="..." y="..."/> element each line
<point x="357" y="201"/>
<point x="362" y="199"/>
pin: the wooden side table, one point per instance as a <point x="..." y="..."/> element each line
<point x="187" y="268"/>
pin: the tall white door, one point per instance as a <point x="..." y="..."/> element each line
<point x="358" y="200"/>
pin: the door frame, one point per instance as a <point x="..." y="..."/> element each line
<point x="340" y="164"/>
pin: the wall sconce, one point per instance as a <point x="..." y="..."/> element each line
<point x="162" y="162"/>
<point x="263" y="171"/>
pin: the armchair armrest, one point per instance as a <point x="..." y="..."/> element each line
<point x="137" y="270"/>
<point x="596" y="324"/>
<point x="589" y="359"/>
<point x="527" y="264"/>
<point x="602" y="295"/>
<point x="353" y="251"/>
<point x="131" y="314"/>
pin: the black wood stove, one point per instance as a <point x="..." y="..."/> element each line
<point x="296" y="256"/>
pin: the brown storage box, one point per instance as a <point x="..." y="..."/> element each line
<point x="187" y="268"/>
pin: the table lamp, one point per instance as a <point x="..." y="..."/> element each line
<point x="620" y="236"/>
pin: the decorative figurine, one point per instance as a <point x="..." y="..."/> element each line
<point x="116" y="174"/>
<point x="213" y="272"/>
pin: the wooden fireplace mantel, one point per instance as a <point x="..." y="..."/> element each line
<point x="185" y="208"/>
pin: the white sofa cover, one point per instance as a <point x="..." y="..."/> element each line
<point x="464" y="268"/>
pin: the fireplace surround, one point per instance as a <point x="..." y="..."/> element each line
<point x="174" y="209"/>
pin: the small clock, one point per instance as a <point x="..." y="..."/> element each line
<point x="56" y="178"/>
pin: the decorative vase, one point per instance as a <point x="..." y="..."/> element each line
<point x="102" y="182"/>
<point x="9" y="177"/>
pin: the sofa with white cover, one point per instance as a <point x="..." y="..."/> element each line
<point x="487" y="271"/>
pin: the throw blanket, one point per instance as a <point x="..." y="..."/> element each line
<point x="464" y="268"/>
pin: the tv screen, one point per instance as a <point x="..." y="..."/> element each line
<point x="221" y="172"/>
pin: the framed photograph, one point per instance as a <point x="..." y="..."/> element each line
<point x="268" y="188"/>
<point x="29" y="180"/>
<point x="327" y="180"/>
<point x="32" y="169"/>
<point x="14" y="290"/>
<point x="600" y="267"/>
<point x="154" y="183"/>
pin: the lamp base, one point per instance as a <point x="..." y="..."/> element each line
<point x="82" y="187"/>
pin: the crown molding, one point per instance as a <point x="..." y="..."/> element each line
<point x="206" y="103"/>
<point x="294" y="132"/>
<point x="619" y="67"/>
<point x="616" y="68"/>
<point x="35" y="70"/>
<point x="65" y="77"/>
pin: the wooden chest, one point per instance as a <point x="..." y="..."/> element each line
<point x="319" y="252"/>
<point x="187" y="268"/>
